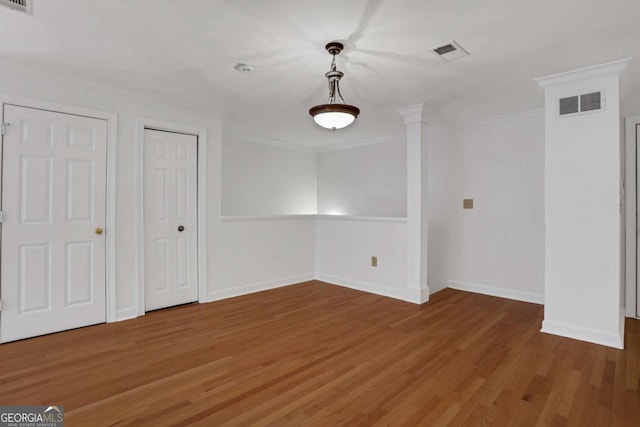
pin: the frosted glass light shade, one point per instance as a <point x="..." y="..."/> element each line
<point x="334" y="116"/>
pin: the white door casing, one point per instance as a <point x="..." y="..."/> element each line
<point x="635" y="129"/>
<point x="632" y="235"/>
<point x="53" y="199"/>
<point x="170" y="218"/>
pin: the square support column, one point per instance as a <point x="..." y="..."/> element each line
<point x="583" y="206"/>
<point x="417" y="239"/>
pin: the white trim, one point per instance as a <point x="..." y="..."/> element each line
<point x="259" y="287"/>
<point x="497" y="292"/>
<point x="392" y="137"/>
<point x="286" y="145"/>
<point x="586" y="73"/>
<point x="589" y="335"/>
<point x="127" y="313"/>
<point x="418" y="295"/>
<point x="356" y="218"/>
<point x="110" y="227"/>
<point x="404" y="294"/>
<point x="264" y="218"/>
<point x="631" y="226"/>
<point x="412" y="113"/>
<point x="90" y="84"/>
<point x="313" y="216"/>
<point x="497" y="119"/>
<point x="271" y="142"/>
<point x="201" y="133"/>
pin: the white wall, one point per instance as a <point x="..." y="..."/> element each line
<point x="262" y="253"/>
<point x="369" y="180"/>
<point x="439" y="204"/>
<point x="344" y="247"/>
<point x="498" y="246"/>
<point x="262" y="180"/>
<point x="353" y="183"/>
<point x="241" y="257"/>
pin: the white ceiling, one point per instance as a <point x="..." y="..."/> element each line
<point x="186" y="49"/>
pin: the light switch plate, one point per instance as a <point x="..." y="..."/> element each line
<point x="374" y="261"/>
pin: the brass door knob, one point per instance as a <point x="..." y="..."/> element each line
<point x="99" y="230"/>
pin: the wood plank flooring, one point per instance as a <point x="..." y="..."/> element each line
<point x="314" y="354"/>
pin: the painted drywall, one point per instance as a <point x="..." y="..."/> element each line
<point x="345" y="244"/>
<point x="360" y="190"/>
<point x="583" y="280"/>
<point x="344" y="247"/>
<point x="261" y="253"/>
<point x="261" y="180"/>
<point x="369" y="180"/>
<point x="439" y="204"/>
<point x="498" y="246"/>
<point x="264" y="259"/>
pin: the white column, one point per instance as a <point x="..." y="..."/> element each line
<point x="417" y="288"/>
<point x="583" y="211"/>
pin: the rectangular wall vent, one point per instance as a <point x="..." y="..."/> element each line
<point x="580" y="103"/>
<point x="19" y="5"/>
<point x="590" y="101"/>
<point x="449" y="51"/>
<point x="569" y="105"/>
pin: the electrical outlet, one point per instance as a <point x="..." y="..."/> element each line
<point x="467" y="203"/>
<point x="374" y="261"/>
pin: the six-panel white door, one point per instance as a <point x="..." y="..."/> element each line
<point x="53" y="200"/>
<point x="170" y="219"/>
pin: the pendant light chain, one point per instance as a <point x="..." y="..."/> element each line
<point x="334" y="84"/>
<point x="336" y="114"/>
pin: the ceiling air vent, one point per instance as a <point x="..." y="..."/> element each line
<point x="19" y="5"/>
<point x="580" y="103"/>
<point x="449" y="51"/>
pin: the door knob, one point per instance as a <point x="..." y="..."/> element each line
<point x="99" y="230"/>
<point x="181" y="228"/>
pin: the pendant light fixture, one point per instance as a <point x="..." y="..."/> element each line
<point x="334" y="115"/>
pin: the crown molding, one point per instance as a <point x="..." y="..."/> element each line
<point x="145" y="95"/>
<point x="412" y="113"/>
<point x="586" y="73"/>
<point x="392" y="137"/>
<point x="539" y="112"/>
<point x="271" y="142"/>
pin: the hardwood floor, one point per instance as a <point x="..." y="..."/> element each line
<point x="321" y="355"/>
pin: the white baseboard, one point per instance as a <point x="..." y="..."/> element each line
<point x="497" y="292"/>
<point x="416" y="296"/>
<point x="597" y="337"/>
<point x="126" y="314"/>
<point x="258" y="287"/>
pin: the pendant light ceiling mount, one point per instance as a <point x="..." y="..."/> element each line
<point x="334" y="48"/>
<point x="334" y="115"/>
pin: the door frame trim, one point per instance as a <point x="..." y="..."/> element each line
<point x="110" y="226"/>
<point x="143" y="123"/>
<point x="631" y="212"/>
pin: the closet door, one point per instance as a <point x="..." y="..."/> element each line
<point x="53" y="203"/>
<point x="170" y="218"/>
